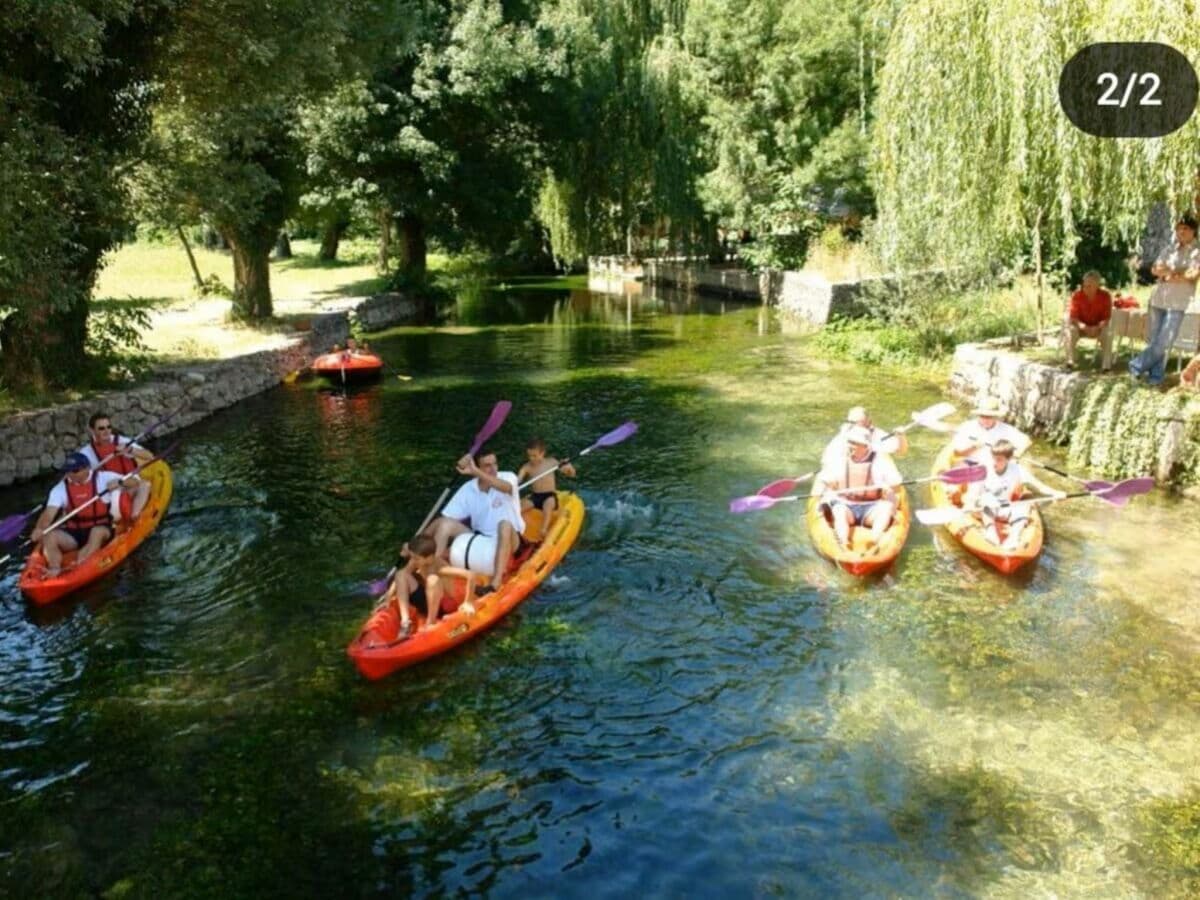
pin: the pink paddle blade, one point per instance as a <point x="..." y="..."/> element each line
<point x="1097" y="486"/>
<point x="782" y="487"/>
<point x="751" y="503"/>
<point x="963" y="475"/>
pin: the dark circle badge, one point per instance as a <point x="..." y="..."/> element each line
<point x="1139" y="89"/>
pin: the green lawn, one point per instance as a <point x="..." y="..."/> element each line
<point x="158" y="273"/>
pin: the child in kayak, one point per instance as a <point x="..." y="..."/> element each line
<point x="543" y="494"/>
<point x="997" y="498"/>
<point x="418" y="583"/>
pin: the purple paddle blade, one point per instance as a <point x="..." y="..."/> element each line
<point x="499" y="413"/>
<point x="1096" y="487"/>
<point x="378" y="587"/>
<point x="751" y="504"/>
<point x="12" y="526"/>
<point x="1120" y="492"/>
<point x="618" y="434"/>
<point x="963" y="475"/>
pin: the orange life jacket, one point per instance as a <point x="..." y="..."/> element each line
<point x="95" y="514"/>
<point x="861" y="496"/>
<point x="119" y="463"/>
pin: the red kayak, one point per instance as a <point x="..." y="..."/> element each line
<point x="348" y="368"/>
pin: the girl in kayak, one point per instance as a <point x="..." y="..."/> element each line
<point x="543" y="494"/>
<point x="996" y="497"/>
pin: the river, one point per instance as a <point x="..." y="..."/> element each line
<point x="694" y="704"/>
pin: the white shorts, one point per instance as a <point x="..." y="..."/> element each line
<point x="474" y="552"/>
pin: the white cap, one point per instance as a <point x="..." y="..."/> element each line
<point x="856" y="414"/>
<point x="856" y="434"/>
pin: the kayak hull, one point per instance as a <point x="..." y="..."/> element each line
<point x="41" y="590"/>
<point x="968" y="529"/>
<point x="356" y="369"/>
<point x="378" y="650"/>
<point x="859" y="558"/>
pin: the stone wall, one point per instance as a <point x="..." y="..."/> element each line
<point x="38" y="441"/>
<point x="385" y="310"/>
<point x="808" y="296"/>
<point x="1042" y="399"/>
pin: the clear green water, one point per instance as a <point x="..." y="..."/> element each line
<point x="693" y="705"/>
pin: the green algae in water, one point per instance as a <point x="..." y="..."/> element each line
<point x="1169" y="846"/>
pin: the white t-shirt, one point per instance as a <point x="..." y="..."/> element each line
<point x="971" y="434"/>
<point x="1000" y="486"/>
<point x="487" y="509"/>
<point x="104" y="480"/>
<point x="837" y="448"/>
<point x="90" y="452"/>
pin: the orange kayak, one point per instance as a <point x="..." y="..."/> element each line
<point x="968" y="528"/>
<point x="42" y="590"/>
<point x="860" y="558"/>
<point x="379" y="650"/>
<point x="345" y="369"/>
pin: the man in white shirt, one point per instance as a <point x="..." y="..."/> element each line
<point x="974" y="438"/>
<point x="488" y="504"/>
<point x="890" y="443"/>
<point x="859" y="488"/>
<point x="93" y="494"/>
<point x="1177" y="269"/>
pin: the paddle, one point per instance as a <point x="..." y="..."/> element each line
<point x="1092" y="486"/>
<point x="73" y="513"/>
<point x="12" y="526"/>
<point x="499" y="413"/>
<point x="1118" y="495"/>
<point x="960" y="475"/>
<point x="618" y="434"/>
<point x="926" y="417"/>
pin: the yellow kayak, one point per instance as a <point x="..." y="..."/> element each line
<point x="860" y="558"/>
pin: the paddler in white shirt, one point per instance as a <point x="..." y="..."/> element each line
<point x="890" y="443"/>
<point x="859" y="487"/>
<point x="975" y="437"/>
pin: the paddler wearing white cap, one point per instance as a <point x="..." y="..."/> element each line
<point x="859" y="487"/>
<point x="976" y="436"/>
<point x="889" y="442"/>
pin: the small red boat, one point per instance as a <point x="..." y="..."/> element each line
<point x="344" y="367"/>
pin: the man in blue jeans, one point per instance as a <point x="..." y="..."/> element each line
<point x="1177" y="269"/>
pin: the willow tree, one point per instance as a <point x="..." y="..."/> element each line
<point x="975" y="163"/>
<point x="623" y="129"/>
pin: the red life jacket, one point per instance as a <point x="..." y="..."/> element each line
<point x="120" y="464"/>
<point x="95" y="514"/>
<point x="861" y="496"/>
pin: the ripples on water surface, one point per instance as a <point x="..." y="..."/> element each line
<point x="692" y="705"/>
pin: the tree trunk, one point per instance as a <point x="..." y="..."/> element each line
<point x="251" y="279"/>
<point x="191" y="258"/>
<point x="385" y="239"/>
<point x="330" y="240"/>
<point x="413" y="249"/>
<point x="283" y="246"/>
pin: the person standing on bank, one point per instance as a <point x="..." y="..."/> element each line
<point x="1087" y="316"/>
<point x="1177" y="269"/>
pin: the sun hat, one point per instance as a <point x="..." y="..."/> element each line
<point x="858" y="435"/>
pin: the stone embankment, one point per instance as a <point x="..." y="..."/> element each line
<point x="808" y="296"/>
<point x="37" y="441"/>
<point x="1107" y="424"/>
